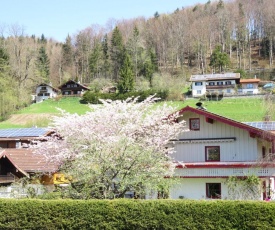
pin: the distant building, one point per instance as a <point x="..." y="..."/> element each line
<point x="218" y="84"/>
<point x="249" y="86"/>
<point x="44" y="92"/>
<point x="73" y="88"/>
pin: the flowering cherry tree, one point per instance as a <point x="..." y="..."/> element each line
<point x="118" y="146"/>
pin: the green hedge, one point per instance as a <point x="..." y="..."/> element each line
<point x="136" y="214"/>
<point x="93" y="98"/>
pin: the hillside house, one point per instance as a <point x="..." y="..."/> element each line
<point x="73" y="88"/>
<point x="44" y="92"/>
<point x="214" y="84"/>
<point x="18" y="161"/>
<point x="216" y="148"/>
<point x="249" y="86"/>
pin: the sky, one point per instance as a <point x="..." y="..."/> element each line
<point x="58" y="18"/>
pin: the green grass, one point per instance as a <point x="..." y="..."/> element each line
<point x="69" y="104"/>
<point x="239" y="109"/>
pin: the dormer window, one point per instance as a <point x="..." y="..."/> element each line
<point x="194" y="124"/>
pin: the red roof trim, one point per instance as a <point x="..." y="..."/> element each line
<point x="225" y="165"/>
<point x="228" y="121"/>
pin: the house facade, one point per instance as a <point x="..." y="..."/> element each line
<point x="249" y="86"/>
<point x="73" y="88"/>
<point x="18" y="160"/>
<point x="44" y="92"/>
<point x="217" y="148"/>
<point x="214" y="84"/>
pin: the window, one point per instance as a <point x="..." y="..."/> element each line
<point x="228" y="82"/>
<point x="249" y="86"/>
<point x="68" y="86"/>
<point x="213" y="190"/>
<point x="198" y="91"/>
<point x="228" y="90"/>
<point x="194" y="124"/>
<point x="198" y="83"/>
<point x="212" y="153"/>
<point x="219" y="83"/>
<point x="43" y="88"/>
<point x="47" y="94"/>
<point x="211" y="83"/>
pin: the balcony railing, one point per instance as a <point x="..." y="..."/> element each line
<point x="7" y="179"/>
<point x="220" y="86"/>
<point x="224" y="172"/>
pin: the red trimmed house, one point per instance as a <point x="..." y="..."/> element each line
<point x="216" y="148"/>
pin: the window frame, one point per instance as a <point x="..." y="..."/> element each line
<point x="194" y="122"/>
<point x="208" y="192"/>
<point x="198" y="83"/>
<point x="206" y="153"/>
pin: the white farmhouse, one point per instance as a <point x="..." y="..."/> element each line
<point x="216" y="148"/>
<point x="218" y="84"/>
<point x="249" y="86"/>
<point x="44" y="92"/>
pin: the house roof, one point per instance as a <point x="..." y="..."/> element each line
<point x="27" y="133"/>
<point x="26" y="161"/>
<point x="211" y="77"/>
<point x="253" y="130"/>
<point x="74" y="82"/>
<point x="253" y="80"/>
<point x="44" y="84"/>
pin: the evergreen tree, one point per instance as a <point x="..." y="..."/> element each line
<point x="67" y="53"/>
<point x="219" y="59"/>
<point x="43" y="65"/>
<point x="105" y="54"/>
<point x="95" y="60"/>
<point x="117" y="51"/>
<point x="126" y="80"/>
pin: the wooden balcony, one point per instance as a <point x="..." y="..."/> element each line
<point x="217" y="87"/>
<point x="7" y="179"/>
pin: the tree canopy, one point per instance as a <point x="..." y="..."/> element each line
<point x="118" y="147"/>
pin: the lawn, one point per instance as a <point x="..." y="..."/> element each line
<point x="240" y="109"/>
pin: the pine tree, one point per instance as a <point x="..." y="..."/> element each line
<point x="105" y="50"/>
<point x="67" y="53"/>
<point x="126" y="80"/>
<point x="117" y="51"/>
<point x="43" y="65"/>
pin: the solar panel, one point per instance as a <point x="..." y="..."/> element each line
<point x="263" y="125"/>
<point x="23" y="132"/>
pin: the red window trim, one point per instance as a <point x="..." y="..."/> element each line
<point x="190" y="121"/>
<point x="206" y="147"/>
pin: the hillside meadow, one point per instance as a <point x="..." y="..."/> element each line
<point x="240" y="109"/>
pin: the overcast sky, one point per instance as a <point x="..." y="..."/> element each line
<point x="58" y="18"/>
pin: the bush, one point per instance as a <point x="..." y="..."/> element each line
<point x="93" y="98"/>
<point x="136" y="214"/>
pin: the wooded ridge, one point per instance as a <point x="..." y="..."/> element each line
<point x="176" y="44"/>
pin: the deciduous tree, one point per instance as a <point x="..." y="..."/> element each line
<point x="117" y="147"/>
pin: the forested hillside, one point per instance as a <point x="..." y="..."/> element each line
<point x="186" y="41"/>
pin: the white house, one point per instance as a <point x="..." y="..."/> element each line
<point x="218" y="84"/>
<point x="216" y="148"/>
<point x="44" y="92"/>
<point x="249" y="86"/>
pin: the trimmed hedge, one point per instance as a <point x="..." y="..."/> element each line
<point x="93" y="98"/>
<point x="136" y="214"/>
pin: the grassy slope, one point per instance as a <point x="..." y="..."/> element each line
<point x="240" y="109"/>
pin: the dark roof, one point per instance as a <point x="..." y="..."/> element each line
<point x="26" y="161"/>
<point x="24" y="132"/>
<point x="74" y="82"/>
<point x="252" y="130"/>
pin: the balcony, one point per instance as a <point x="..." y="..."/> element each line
<point x="224" y="172"/>
<point x="232" y="86"/>
<point x="7" y="179"/>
